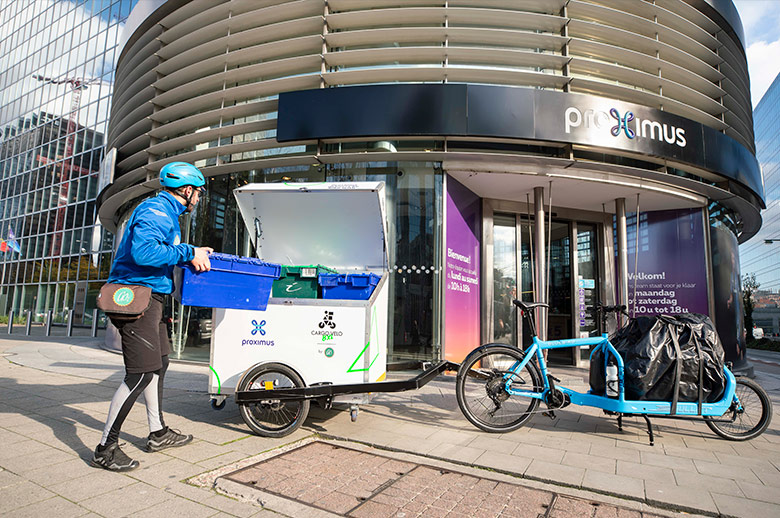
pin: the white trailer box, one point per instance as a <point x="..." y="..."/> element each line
<point x="340" y="225"/>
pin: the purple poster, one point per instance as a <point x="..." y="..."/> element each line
<point x="671" y="276"/>
<point x="461" y="271"/>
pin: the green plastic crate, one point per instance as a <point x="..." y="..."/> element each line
<point x="299" y="282"/>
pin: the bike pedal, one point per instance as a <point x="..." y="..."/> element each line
<point x="550" y="414"/>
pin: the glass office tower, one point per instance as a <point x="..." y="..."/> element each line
<point x="57" y="61"/>
<point x="758" y="256"/>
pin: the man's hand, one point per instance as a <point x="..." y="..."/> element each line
<point x="201" y="260"/>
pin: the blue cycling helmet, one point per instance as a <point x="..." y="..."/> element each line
<point x="179" y="174"/>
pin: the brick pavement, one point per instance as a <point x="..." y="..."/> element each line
<point x="54" y="397"/>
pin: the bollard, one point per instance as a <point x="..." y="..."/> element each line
<point x="49" y="317"/>
<point x="94" y="322"/>
<point x="28" y="324"/>
<point x="70" y="322"/>
<point x="10" y="321"/>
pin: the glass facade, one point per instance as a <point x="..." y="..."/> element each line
<point x="57" y="61"/>
<point x="756" y="256"/>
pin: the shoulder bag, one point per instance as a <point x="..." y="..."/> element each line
<point x="124" y="302"/>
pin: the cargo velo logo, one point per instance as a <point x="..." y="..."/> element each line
<point x="327" y="327"/>
<point x="257" y="329"/>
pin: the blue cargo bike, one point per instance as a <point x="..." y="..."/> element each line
<point x="500" y="388"/>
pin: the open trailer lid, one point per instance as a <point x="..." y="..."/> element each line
<point x="339" y="225"/>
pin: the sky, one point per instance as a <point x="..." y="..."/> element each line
<point x="760" y="19"/>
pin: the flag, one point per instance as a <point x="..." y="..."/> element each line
<point x="3" y="245"/>
<point x="12" y="243"/>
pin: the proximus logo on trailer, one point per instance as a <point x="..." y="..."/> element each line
<point x="626" y="125"/>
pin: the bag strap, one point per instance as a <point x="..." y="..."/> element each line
<point x="677" y="369"/>
<point x="700" y="400"/>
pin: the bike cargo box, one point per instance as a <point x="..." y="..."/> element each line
<point x="233" y="282"/>
<point x="299" y="282"/>
<point x="354" y="286"/>
<point x="655" y="348"/>
<point x="341" y="225"/>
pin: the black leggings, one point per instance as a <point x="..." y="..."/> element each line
<point x="148" y="383"/>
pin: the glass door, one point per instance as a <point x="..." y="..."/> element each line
<point x="504" y="278"/>
<point x="588" y="283"/>
<point x="559" y="326"/>
<point x="573" y="287"/>
<point x="508" y="260"/>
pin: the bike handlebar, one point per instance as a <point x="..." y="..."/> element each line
<point x="612" y="309"/>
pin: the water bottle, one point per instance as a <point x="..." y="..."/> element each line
<point x="612" y="379"/>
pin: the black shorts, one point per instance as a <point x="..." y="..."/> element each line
<point x="145" y="341"/>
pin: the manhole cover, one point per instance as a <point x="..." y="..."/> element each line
<point x="354" y="483"/>
<point x="359" y="484"/>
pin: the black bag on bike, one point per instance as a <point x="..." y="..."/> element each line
<point x="667" y="358"/>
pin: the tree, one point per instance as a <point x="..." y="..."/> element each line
<point x="749" y="287"/>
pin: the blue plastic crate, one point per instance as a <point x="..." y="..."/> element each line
<point x="233" y="282"/>
<point x="353" y="286"/>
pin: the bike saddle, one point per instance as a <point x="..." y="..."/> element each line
<point x="528" y="306"/>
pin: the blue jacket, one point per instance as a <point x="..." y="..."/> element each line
<point x="150" y="246"/>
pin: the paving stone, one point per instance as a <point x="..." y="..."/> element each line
<point x="557" y="473"/>
<point x="614" y="452"/>
<point x="223" y="459"/>
<point x="48" y="457"/>
<point x="126" y="500"/>
<point x="565" y="507"/>
<point x="96" y="483"/>
<point x="682" y="451"/>
<point x="614" y="484"/>
<point x="20" y="495"/>
<point x="725" y="471"/>
<point x="503" y="462"/>
<point x="493" y="444"/>
<point x="196" y="451"/>
<point x="457" y="453"/>
<point x="376" y="510"/>
<point x="699" y="482"/>
<point x="231" y="507"/>
<point x="176" y="507"/>
<point x="669" y="493"/>
<point x="590" y="462"/>
<point x="20" y="449"/>
<point x="56" y="506"/>
<point x="754" y="492"/>
<point x="337" y="502"/>
<point x="9" y="479"/>
<point x="666" y="461"/>
<point x="530" y="451"/>
<point x="742" y="507"/>
<point x="162" y="474"/>
<point x="632" y="469"/>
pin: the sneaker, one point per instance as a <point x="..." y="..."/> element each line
<point x="170" y="439"/>
<point x="113" y="458"/>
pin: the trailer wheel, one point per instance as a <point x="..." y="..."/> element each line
<point x="273" y="418"/>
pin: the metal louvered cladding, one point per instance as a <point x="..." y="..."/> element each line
<point x="200" y="83"/>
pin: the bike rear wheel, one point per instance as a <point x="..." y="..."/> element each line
<point x="273" y="418"/>
<point x="750" y="420"/>
<point x="481" y="388"/>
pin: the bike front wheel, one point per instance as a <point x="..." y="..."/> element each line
<point x="750" y="419"/>
<point x="481" y="388"/>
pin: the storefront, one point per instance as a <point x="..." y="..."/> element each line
<point x="528" y="151"/>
